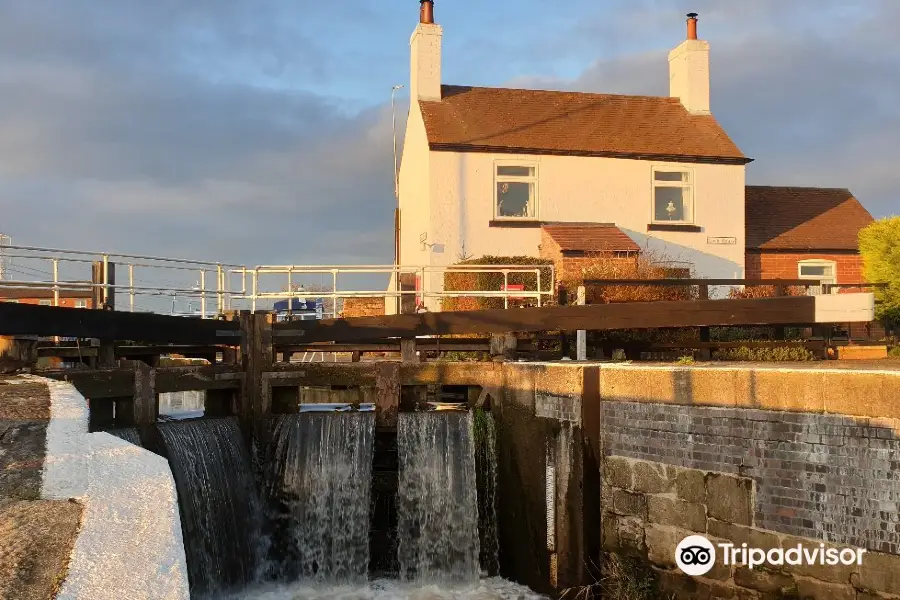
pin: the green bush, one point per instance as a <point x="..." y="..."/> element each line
<point x="493" y="281"/>
<point x="894" y="352"/>
<point x="746" y="334"/>
<point x="879" y="245"/>
<point x="743" y="353"/>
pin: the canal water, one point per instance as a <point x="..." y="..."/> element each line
<point x="493" y="588"/>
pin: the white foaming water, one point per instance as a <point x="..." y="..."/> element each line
<point x="493" y="588"/>
<point x="318" y="492"/>
<point x="437" y="509"/>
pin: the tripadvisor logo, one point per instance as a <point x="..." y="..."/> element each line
<point x="696" y="555"/>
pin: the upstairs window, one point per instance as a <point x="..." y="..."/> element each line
<point x="44" y="302"/>
<point x="81" y="304"/>
<point x="516" y="192"/>
<point x="673" y="196"/>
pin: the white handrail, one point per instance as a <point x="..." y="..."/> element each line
<point x="259" y="288"/>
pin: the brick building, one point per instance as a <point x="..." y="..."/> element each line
<point x="573" y="246"/>
<point x="67" y="298"/>
<point x="805" y="233"/>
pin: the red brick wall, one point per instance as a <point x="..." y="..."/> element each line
<point x="777" y="265"/>
<point x="363" y="307"/>
<point x="572" y="267"/>
<point x="65" y="302"/>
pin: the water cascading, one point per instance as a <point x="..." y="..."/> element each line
<point x="318" y="487"/>
<point x="129" y="434"/>
<point x="437" y="502"/>
<point x="220" y="510"/>
<point x="486" y="477"/>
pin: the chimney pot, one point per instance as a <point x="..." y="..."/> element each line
<point x="692" y="26"/>
<point x="426" y="11"/>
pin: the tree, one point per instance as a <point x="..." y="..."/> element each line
<point x="879" y="244"/>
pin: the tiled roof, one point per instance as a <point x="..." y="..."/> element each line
<point x="590" y="238"/>
<point x="546" y="122"/>
<point x="799" y="218"/>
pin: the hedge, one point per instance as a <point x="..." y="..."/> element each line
<point x="493" y="281"/>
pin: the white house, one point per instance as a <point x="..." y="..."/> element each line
<point x="485" y="170"/>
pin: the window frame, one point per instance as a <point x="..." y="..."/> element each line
<point x="690" y="184"/>
<point x="818" y="262"/>
<point x="533" y="180"/>
<point x="45" y="302"/>
<point x="81" y="303"/>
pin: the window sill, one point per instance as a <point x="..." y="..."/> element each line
<point x="673" y="227"/>
<point x="514" y="223"/>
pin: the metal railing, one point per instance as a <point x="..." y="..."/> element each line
<point x="70" y="271"/>
<point x="542" y="292"/>
<point x="54" y="274"/>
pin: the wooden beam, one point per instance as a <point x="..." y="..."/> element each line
<point x="119" y="383"/>
<point x="98" y="384"/>
<point x="257" y="357"/>
<point x="424" y="344"/>
<point x="707" y="282"/>
<point x="184" y="379"/>
<point x="30" y="319"/>
<point x="637" y="315"/>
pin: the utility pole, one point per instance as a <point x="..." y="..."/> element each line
<point x="394" y="129"/>
<point x="5" y="241"/>
<point x="396" y="275"/>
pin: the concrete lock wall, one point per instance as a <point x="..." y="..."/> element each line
<point x="130" y="543"/>
<point x="773" y="455"/>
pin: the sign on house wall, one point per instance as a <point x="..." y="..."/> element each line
<point x="721" y="241"/>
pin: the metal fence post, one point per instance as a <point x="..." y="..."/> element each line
<point x="131" y="287"/>
<point x="581" y="334"/>
<point x="202" y="293"/>
<point x="55" y="282"/>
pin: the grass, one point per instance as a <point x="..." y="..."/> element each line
<point x="685" y="360"/>
<point x="619" y="578"/>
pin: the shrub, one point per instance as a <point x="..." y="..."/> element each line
<point x="764" y="291"/>
<point x="894" y="352"/>
<point x="747" y="334"/>
<point x="648" y="265"/>
<point x="493" y="281"/>
<point x="785" y="354"/>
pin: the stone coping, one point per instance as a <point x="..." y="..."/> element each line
<point x="83" y="516"/>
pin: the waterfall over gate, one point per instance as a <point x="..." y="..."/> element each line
<point x="220" y="512"/>
<point x="129" y="434"/>
<point x="318" y="487"/>
<point x="486" y="476"/>
<point x="437" y="505"/>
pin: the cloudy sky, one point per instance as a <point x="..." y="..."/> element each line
<point x="259" y="131"/>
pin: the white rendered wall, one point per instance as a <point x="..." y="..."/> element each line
<point x="585" y="189"/>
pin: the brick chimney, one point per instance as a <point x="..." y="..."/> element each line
<point x="689" y="71"/>
<point x="425" y="56"/>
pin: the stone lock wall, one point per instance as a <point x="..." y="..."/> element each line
<point x="649" y="507"/>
